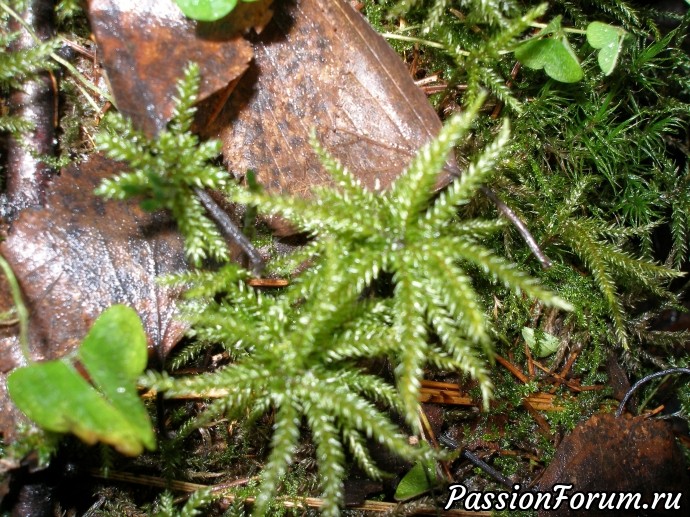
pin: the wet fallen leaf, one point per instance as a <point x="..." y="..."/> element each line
<point x="320" y="64"/>
<point x="609" y="454"/>
<point x="146" y="45"/>
<point x="80" y="254"/>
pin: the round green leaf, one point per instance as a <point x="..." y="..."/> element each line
<point x="533" y="53"/>
<point x="546" y="345"/>
<point x="116" y="341"/>
<point x="206" y="10"/>
<point x="416" y="482"/>
<point x="55" y="395"/>
<point x="609" y="41"/>
<point x="600" y="34"/>
<point x="555" y="56"/>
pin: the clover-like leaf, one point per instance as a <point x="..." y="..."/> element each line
<point x="419" y="479"/>
<point x="554" y="55"/>
<point x="541" y="345"/>
<point x="609" y="41"/>
<point x="56" y="396"/>
<point x="206" y="10"/>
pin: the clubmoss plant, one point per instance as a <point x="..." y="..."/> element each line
<point x="165" y="171"/>
<point x="295" y="352"/>
<point x="422" y="245"/>
<point x="289" y="363"/>
<point x="596" y="169"/>
<point x="595" y="200"/>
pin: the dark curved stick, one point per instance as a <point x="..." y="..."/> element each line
<point x="526" y="235"/>
<point x="495" y="474"/>
<point x="477" y="462"/>
<point x="644" y="380"/>
<point x="230" y="230"/>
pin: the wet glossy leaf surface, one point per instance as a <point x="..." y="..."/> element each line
<point x="81" y="254"/>
<point x="347" y="83"/>
<point x="609" y="41"/>
<point x="145" y="47"/>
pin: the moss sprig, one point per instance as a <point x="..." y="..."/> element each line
<point x="165" y="171"/>
<point x="288" y="367"/>
<point x="421" y="244"/>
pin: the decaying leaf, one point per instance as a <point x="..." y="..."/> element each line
<point x="80" y="254"/>
<point x="146" y="45"/>
<point x="613" y="455"/>
<point x="320" y="64"/>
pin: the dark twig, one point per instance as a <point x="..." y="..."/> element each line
<point x="231" y="231"/>
<point x="495" y="474"/>
<point x="515" y="220"/>
<point x="644" y="380"/>
<point x="474" y="459"/>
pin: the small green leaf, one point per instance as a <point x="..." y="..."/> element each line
<point x="55" y="396"/>
<point x="546" y="345"/>
<point x="114" y="353"/>
<point x="417" y="481"/>
<point x="206" y="10"/>
<point x="555" y="56"/>
<point x="609" y="41"/>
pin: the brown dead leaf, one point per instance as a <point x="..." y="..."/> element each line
<point x="80" y="254"/>
<point x="609" y="454"/>
<point x="146" y="44"/>
<point x="320" y="64"/>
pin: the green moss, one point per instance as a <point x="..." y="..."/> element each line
<point x="598" y="172"/>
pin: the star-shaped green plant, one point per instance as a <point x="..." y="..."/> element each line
<point x="166" y="171"/>
<point x="289" y="360"/>
<point x="421" y="242"/>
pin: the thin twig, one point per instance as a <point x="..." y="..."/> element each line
<point x="644" y="380"/>
<point x="515" y="220"/>
<point x="231" y="231"/>
<point x="474" y="459"/>
<point x="511" y="368"/>
<point x="311" y="502"/>
<point x="495" y="474"/>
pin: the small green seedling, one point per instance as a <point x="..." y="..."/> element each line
<point x="550" y="50"/>
<point x="541" y="346"/>
<point x="207" y="10"/>
<point x="554" y="55"/>
<point x="56" y="396"/>
<point x="609" y="41"/>
<point x="420" y="479"/>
